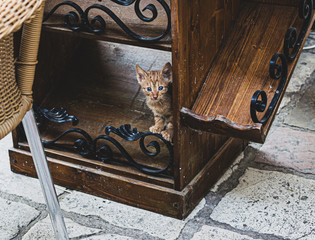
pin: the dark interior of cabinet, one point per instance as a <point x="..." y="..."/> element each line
<point x="96" y="82"/>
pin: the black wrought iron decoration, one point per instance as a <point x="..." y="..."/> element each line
<point x="88" y="147"/>
<point x="79" y="20"/>
<point x="292" y="45"/>
<point x="276" y="71"/>
<point x="293" y="42"/>
<point x="55" y="115"/>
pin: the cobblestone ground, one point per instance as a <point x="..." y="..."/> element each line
<point x="268" y="193"/>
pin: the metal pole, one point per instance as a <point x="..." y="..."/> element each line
<point x="44" y="176"/>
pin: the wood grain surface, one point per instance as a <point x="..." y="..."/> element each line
<point x="241" y="68"/>
<point x="198" y="29"/>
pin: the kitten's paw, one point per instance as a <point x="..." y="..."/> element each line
<point x="155" y="129"/>
<point x="166" y="136"/>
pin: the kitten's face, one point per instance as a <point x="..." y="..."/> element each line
<point x="155" y="83"/>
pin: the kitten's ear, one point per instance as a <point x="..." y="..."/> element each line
<point x="141" y="74"/>
<point x="167" y="72"/>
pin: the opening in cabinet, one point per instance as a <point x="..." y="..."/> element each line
<point x="102" y="114"/>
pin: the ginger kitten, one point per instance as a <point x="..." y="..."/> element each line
<point x="156" y="85"/>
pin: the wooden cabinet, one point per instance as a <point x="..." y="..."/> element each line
<point x="227" y="57"/>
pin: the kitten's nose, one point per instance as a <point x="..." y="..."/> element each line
<point x="155" y="97"/>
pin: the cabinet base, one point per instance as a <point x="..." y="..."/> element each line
<point x="134" y="192"/>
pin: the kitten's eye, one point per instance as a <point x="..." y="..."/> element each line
<point x="149" y="89"/>
<point x="161" y="88"/>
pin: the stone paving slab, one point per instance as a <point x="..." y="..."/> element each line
<point x="215" y="233"/>
<point x="14" y="216"/>
<point x="125" y="216"/>
<point x="311" y="236"/>
<point x="30" y="189"/>
<point x="303" y="70"/>
<point x="43" y="230"/>
<point x="109" y="237"/>
<point x="303" y="115"/>
<point x="227" y="173"/>
<point x="270" y="202"/>
<point x="289" y="148"/>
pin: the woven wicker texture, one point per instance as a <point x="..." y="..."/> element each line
<point x="13" y="13"/>
<point x="16" y="96"/>
<point x="10" y="96"/>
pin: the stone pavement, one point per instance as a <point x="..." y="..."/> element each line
<point x="268" y="193"/>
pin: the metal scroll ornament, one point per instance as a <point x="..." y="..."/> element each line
<point x="276" y="71"/>
<point x="79" y="20"/>
<point x="57" y="115"/>
<point x="90" y="148"/>
<point x="293" y="42"/>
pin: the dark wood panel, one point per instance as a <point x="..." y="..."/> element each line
<point x="118" y="188"/>
<point x="51" y="63"/>
<point x="110" y="167"/>
<point x="198" y="30"/>
<point x="242" y="67"/>
<point x="109" y="37"/>
<point x="212" y="171"/>
<point x="280" y="2"/>
<point x="89" y="179"/>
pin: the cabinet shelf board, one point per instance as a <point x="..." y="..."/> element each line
<point x="114" y="35"/>
<point x="240" y="69"/>
<point x="60" y="20"/>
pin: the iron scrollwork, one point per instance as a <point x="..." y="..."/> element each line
<point x="89" y="148"/>
<point x="292" y="41"/>
<point x="276" y="71"/>
<point x="79" y="20"/>
<point x="55" y="115"/>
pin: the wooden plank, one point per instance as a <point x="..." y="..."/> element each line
<point x="110" y="167"/>
<point x="242" y="67"/>
<point x="52" y="63"/>
<point x="198" y="29"/>
<point x="280" y="2"/>
<point x="113" y="32"/>
<point x="111" y="186"/>
<point x="89" y="179"/>
<point x="109" y="37"/>
<point x="212" y="171"/>
<point x="294" y="3"/>
<point x="221" y="125"/>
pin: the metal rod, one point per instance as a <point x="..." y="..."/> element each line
<point x="44" y="176"/>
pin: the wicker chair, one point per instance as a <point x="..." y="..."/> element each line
<point x="16" y="79"/>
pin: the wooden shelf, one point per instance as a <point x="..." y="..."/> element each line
<point x="241" y="68"/>
<point x="99" y="87"/>
<point x="115" y="36"/>
<point x="98" y="105"/>
<point x="113" y="33"/>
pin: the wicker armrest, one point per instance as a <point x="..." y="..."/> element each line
<point x="16" y="90"/>
<point x="13" y="13"/>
